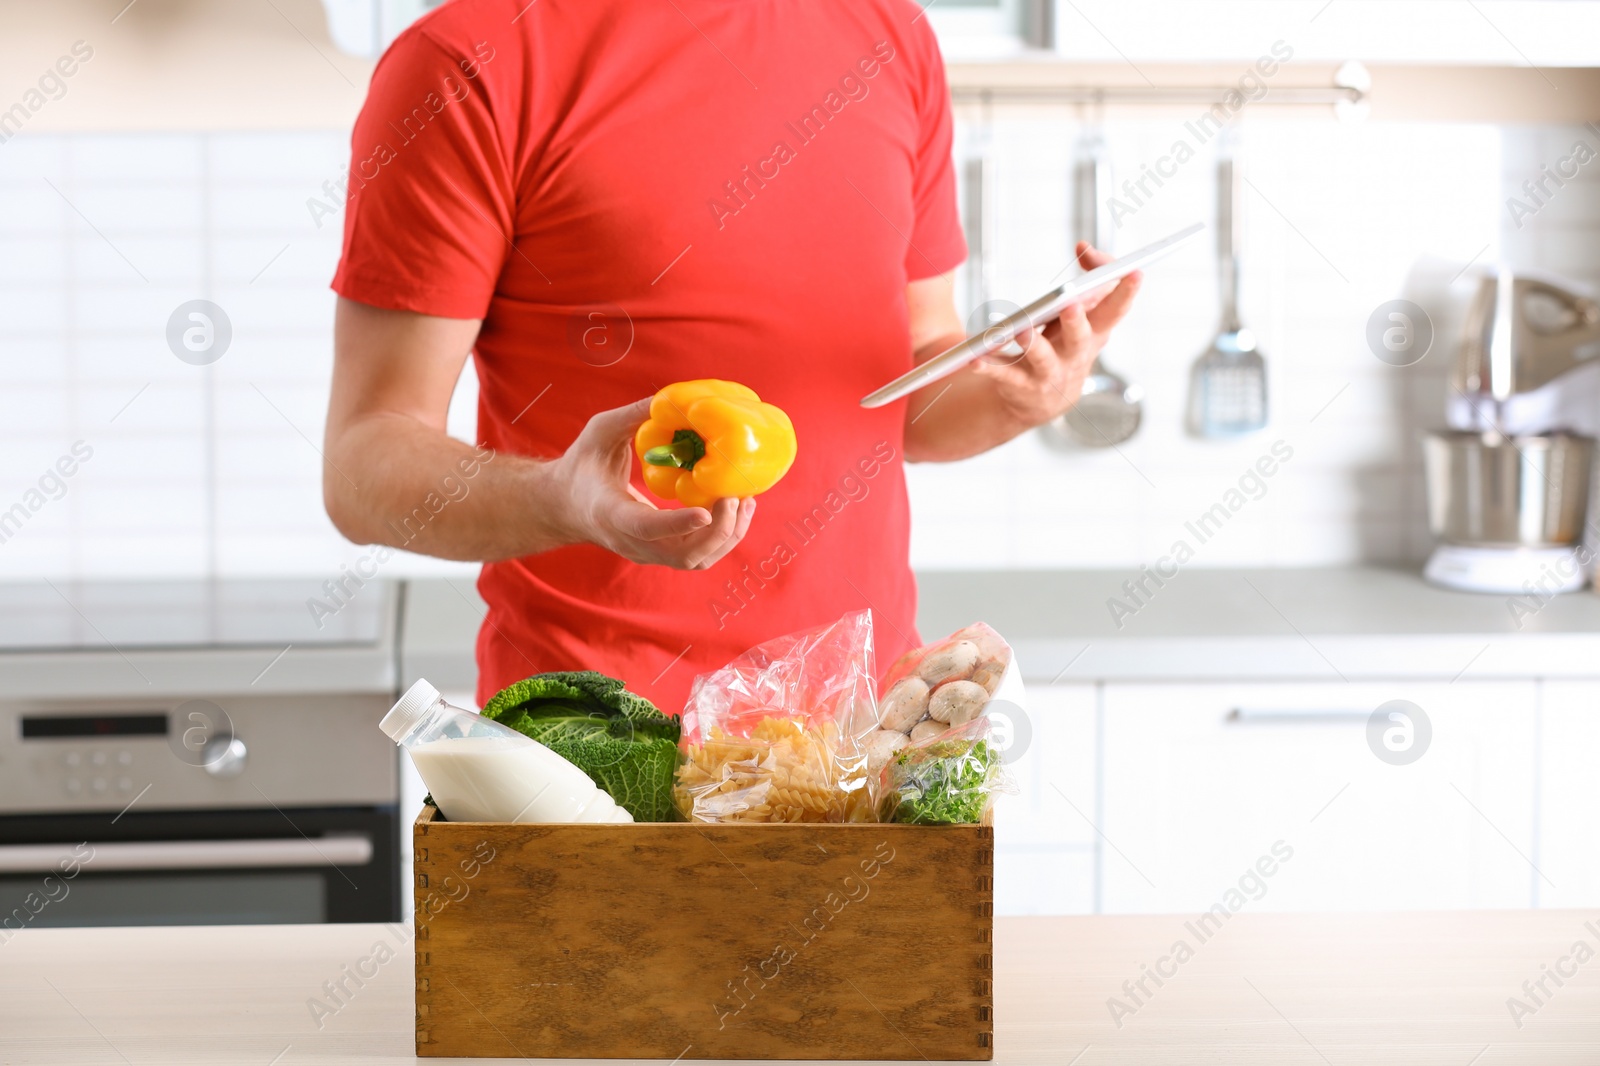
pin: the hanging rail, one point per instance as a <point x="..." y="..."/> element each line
<point x="1299" y="95"/>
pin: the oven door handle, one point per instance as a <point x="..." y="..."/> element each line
<point x="334" y="850"/>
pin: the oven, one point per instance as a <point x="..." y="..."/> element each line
<point x="198" y="759"/>
<point x="244" y="867"/>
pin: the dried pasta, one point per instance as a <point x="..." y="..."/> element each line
<point x="786" y="771"/>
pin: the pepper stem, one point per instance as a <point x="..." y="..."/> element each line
<point x="686" y="449"/>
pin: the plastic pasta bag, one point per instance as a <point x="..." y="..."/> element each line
<point x="776" y="735"/>
<point x="950" y="779"/>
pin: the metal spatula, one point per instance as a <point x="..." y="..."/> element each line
<point x="1228" y="385"/>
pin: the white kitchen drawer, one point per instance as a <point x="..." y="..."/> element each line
<point x="1196" y="794"/>
<point x="1055" y="774"/>
<point x="1569" y="799"/>
<point x="1043" y="881"/>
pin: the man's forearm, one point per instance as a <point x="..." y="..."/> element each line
<point x="398" y="482"/>
<point x="956" y="418"/>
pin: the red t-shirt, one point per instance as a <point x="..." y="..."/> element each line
<point x="631" y="194"/>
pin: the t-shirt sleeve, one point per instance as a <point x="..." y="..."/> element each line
<point x="937" y="245"/>
<point x="432" y="199"/>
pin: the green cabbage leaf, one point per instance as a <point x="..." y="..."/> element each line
<point x="619" y="738"/>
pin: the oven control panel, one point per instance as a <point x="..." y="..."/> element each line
<point x="99" y="771"/>
<point x="251" y="752"/>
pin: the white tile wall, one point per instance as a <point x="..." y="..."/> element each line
<point x="215" y="470"/>
<point x="1335" y="217"/>
<point x="196" y="470"/>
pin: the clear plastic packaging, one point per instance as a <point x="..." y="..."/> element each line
<point x="950" y="779"/>
<point x="777" y="734"/>
<point x="943" y="713"/>
<point x="945" y="685"/>
<point x="478" y="770"/>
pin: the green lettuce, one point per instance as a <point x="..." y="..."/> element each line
<point x="946" y="783"/>
<point x="615" y="736"/>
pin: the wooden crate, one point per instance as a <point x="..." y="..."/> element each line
<point x="704" y="941"/>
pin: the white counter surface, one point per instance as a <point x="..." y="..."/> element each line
<point x="1423" y="988"/>
<point x="1330" y="624"/>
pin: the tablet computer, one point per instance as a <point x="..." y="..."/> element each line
<point x="1036" y="314"/>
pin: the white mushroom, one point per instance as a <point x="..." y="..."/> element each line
<point x="927" y="730"/>
<point x="988" y="674"/>
<point x="881" y="744"/>
<point x="952" y="663"/>
<point x="957" y="702"/>
<point x="905" y="704"/>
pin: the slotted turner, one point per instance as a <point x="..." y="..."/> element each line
<point x="1228" y="384"/>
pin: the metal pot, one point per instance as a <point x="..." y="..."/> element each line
<point x="1485" y="489"/>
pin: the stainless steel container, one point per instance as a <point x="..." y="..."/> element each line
<point x="1493" y="491"/>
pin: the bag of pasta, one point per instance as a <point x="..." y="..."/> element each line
<point x="776" y="735"/>
<point x="950" y="778"/>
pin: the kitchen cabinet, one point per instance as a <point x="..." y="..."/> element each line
<point x="1569" y="795"/>
<point x="1556" y="33"/>
<point x="992" y="28"/>
<point x="1190" y="797"/>
<point x="1045" y="841"/>
<point x="1201" y="781"/>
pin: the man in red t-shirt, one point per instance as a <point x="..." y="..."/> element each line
<point x="598" y="198"/>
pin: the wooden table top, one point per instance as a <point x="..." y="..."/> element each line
<point x="1421" y="988"/>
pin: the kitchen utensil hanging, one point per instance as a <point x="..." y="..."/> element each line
<point x="995" y="327"/>
<point x="977" y="221"/>
<point x="1110" y="408"/>
<point x="1228" y="383"/>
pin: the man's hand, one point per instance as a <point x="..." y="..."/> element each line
<point x="1047" y="378"/>
<point x="1001" y="396"/>
<point x="388" y="456"/>
<point x="604" y="508"/>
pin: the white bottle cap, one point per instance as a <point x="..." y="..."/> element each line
<point x="408" y="710"/>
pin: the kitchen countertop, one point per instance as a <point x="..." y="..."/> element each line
<point x="1337" y="623"/>
<point x="1418" y="988"/>
<point x="1347" y="623"/>
<point x="156" y="639"/>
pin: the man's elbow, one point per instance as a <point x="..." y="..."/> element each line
<point x="345" y="511"/>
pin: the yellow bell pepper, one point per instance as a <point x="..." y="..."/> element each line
<point x="706" y="440"/>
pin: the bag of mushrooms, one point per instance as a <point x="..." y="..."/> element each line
<point x="934" y="708"/>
